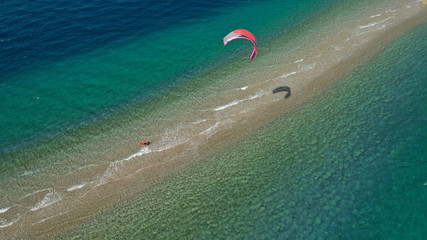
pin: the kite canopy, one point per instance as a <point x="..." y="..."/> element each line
<point x="242" y="33"/>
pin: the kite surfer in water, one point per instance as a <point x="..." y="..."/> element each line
<point x="144" y="143"/>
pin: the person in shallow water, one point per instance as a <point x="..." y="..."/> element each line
<point x="144" y="143"/>
<point x="284" y="88"/>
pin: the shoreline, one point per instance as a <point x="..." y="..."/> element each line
<point x="165" y="164"/>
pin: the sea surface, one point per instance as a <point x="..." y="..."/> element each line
<point x="351" y="164"/>
<point x="82" y="83"/>
<point x="65" y="65"/>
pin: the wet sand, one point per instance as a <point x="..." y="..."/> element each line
<point x="209" y="124"/>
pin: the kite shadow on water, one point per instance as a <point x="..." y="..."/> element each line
<point x="283" y="89"/>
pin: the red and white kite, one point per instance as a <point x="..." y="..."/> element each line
<point x="242" y="33"/>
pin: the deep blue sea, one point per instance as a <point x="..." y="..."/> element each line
<point x="348" y="164"/>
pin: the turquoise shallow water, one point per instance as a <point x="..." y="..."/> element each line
<point x="69" y="66"/>
<point x="349" y="164"/>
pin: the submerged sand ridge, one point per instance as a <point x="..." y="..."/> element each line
<point x="203" y="124"/>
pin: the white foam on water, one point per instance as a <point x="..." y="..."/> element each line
<point x="288" y="74"/>
<point x="369" y="30"/>
<point x="306" y="67"/>
<point x="383" y="26"/>
<point x="88" y="166"/>
<point x="50" y="198"/>
<point x="3" y="210"/>
<point x="385" y="20"/>
<point x="7" y="224"/>
<point x="241" y="88"/>
<point x="298" y="61"/>
<point x="228" y="105"/>
<point x="174" y="137"/>
<point x="77" y="187"/>
<point x="115" y="166"/>
<point x="368" y="25"/>
<point x="44" y="219"/>
<point x="235" y="102"/>
<point x="141" y="152"/>
<point x="35" y="192"/>
<point x="199" y="121"/>
<point x="170" y="146"/>
<point x="211" y="128"/>
<point x="337" y="48"/>
<point x="376" y="15"/>
<point x="391" y="10"/>
<point x="259" y="94"/>
<point x="371" y="27"/>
